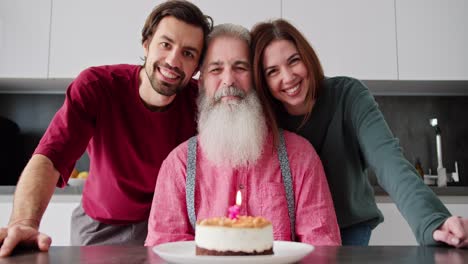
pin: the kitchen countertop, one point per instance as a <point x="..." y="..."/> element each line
<point x="6" y="191"/>
<point x="67" y="194"/>
<point x="69" y="190"/>
<point x="448" y="195"/>
<point x="320" y="254"/>
<point x="440" y="191"/>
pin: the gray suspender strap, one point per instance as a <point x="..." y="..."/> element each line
<point x="287" y="181"/>
<point x="190" y="181"/>
<point x="285" y="172"/>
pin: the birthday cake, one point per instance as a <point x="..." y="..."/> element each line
<point x="224" y="236"/>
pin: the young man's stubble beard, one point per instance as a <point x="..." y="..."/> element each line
<point x="160" y="86"/>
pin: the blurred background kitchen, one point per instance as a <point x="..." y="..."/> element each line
<point x="411" y="53"/>
<point x="24" y="118"/>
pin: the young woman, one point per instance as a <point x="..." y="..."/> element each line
<point x="342" y="121"/>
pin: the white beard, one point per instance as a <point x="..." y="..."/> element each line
<point x="231" y="133"/>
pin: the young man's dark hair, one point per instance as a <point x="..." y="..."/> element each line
<point x="182" y="10"/>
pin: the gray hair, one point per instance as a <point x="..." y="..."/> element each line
<point x="228" y="30"/>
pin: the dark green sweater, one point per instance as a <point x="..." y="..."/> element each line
<point x="350" y="135"/>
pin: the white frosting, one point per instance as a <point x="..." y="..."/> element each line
<point x="234" y="239"/>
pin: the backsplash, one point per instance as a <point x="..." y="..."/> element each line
<point x="32" y="113"/>
<point x="407" y="116"/>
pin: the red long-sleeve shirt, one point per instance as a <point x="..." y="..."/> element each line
<point x="126" y="142"/>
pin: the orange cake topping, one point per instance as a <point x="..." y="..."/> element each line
<point x="241" y="221"/>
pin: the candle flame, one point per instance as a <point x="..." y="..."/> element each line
<point x="238" y="198"/>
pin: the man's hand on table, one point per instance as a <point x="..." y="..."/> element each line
<point x="22" y="235"/>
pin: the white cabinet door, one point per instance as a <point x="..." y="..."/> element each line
<point x="56" y="222"/>
<point x="89" y="33"/>
<point x="394" y="230"/>
<point x="24" y="38"/>
<point x="432" y="39"/>
<point x="243" y="12"/>
<point x="5" y="209"/>
<point x="354" y="38"/>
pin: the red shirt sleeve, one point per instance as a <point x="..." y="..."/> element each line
<point x="70" y="130"/>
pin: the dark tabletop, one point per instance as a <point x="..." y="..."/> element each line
<point x="140" y="254"/>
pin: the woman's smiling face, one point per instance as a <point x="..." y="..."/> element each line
<point x="286" y="75"/>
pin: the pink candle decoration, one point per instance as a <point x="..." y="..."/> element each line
<point x="235" y="209"/>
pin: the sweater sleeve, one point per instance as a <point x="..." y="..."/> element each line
<point x="72" y="127"/>
<point x="421" y="208"/>
<point x="316" y="222"/>
<point x="168" y="220"/>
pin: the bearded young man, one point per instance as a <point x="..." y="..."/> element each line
<point x="235" y="150"/>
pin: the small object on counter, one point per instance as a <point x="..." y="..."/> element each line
<point x="76" y="182"/>
<point x="82" y="175"/>
<point x="74" y="173"/>
<point x="441" y="177"/>
<point x="430" y="180"/>
<point x="77" y="178"/>
<point x="455" y="177"/>
<point x="419" y="168"/>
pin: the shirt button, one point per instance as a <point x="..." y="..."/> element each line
<point x="241" y="186"/>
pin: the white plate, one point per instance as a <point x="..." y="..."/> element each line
<point x="184" y="252"/>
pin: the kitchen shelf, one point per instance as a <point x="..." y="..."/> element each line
<point x="417" y="88"/>
<point x="377" y="87"/>
<point x="34" y="86"/>
<point x="439" y="191"/>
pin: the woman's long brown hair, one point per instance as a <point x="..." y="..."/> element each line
<point x="262" y="35"/>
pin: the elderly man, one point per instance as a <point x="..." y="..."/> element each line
<point x="237" y="150"/>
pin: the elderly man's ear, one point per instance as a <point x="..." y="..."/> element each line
<point x="195" y="72"/>
<point x="200" y="78"/>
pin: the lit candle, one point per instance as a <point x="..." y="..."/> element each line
<point x="235" y="209"/>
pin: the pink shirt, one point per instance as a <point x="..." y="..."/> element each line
<point x="126" y="142"/>
<point x="262" y="191"/>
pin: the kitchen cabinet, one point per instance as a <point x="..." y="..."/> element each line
<point x="393" y="231"/>
<point x="396" y="231"/>
<point x="354" y="38"/>
<point x="243" y="12"/>
<point x="387" y="40"/>
<point x="5" y="208"/>
<point x="432" y="39"/>
<point x="56" y="221"/>
<point x="24" y="38"/>
<point x="88" y="33"/>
